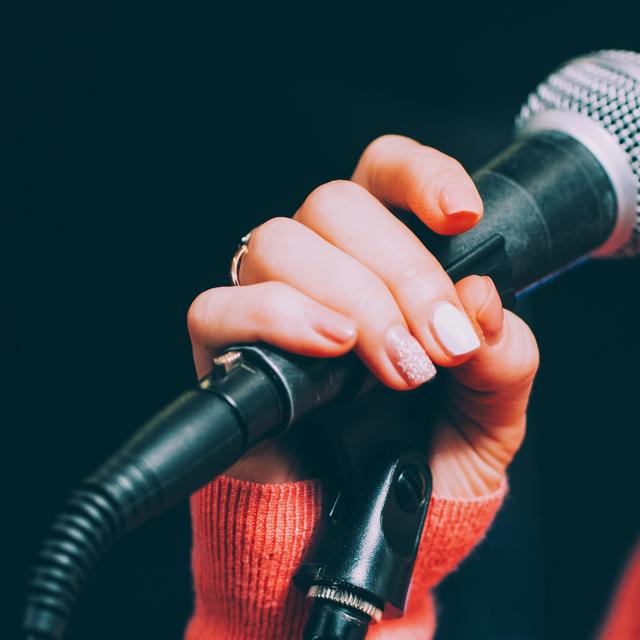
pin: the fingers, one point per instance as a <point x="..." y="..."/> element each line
<point x="287" y="251"/>
<point x="351" y="255"/>
<point x="486" y="399"/>
<point x="403" y="173"/>
<point x="272" y="312"/>
<point x="496" y="382"/>
<point x="349" y="218"/>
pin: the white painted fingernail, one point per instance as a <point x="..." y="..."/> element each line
<point x="408" y="356"/>
<point x="454" y="331"/>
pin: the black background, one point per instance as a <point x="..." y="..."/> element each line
<point x="143" y="139"/>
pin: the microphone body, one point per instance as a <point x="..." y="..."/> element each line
<point x="547" y="202"/>
<point x="551" y="198"/>
<point x="551" y="201"/>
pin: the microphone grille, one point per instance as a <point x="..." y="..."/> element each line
<point x="605" y="87"/>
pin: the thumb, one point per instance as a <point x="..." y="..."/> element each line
<point x="501" y="372"/>
<point x="486" y="396"/>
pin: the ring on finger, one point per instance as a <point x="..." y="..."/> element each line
<point x="236" y="261"/>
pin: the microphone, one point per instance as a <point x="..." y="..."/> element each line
<point x="567" y="188"/>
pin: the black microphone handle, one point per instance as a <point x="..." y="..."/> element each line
<point x="549" y="198"/>
<point x="547" y="203"/>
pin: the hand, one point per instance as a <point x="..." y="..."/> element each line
<point x="345" y="274"/>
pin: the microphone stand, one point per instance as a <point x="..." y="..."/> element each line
<point x="360" y="563"/>
<point x="256" y="392"/>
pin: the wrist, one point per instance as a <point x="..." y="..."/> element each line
<point x="462" y="471"/>
<point x="288" y="458"/>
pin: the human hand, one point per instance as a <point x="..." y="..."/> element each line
<point x="345" y="274"/>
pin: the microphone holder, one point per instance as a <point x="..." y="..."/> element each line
<point x="360" y="563"/>
<point x="257" y="392"/>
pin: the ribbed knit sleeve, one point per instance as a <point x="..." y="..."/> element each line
<point x="249" y="539"/>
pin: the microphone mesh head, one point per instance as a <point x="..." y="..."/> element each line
<point x="604" y="86"/>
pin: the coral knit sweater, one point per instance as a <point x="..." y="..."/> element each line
<point x="248" y="540"/>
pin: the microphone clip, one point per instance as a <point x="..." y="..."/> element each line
<point x="360" y="563"/>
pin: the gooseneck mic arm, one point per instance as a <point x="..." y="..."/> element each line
<point x="551" y="198"/>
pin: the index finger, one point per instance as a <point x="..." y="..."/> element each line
<point x="403" y="173"/>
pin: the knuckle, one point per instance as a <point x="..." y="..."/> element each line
<point x="372" y="162"/>
<point x="270" y="231"/>
<point x="330" y="199"/>
<point x="328" y="195"/>
<point x="268" y="237"/>
<point x="369" y="298"/>
<point x="418" y="275"/>
<point x="268" y="306"/>
<point x="202" y="312"/>
<point x="420" y="280"/>
<point x="380" y="145"/>
<point x="442" y="168"/>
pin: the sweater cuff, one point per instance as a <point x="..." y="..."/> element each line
<point x="453" y="528"/>
<point x="249" y="540"/>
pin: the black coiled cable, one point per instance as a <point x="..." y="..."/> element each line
<point x="180" y="449"/>
<point x="117" y="498"/>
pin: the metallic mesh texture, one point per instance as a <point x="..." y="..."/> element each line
<point x="605" y="86"/>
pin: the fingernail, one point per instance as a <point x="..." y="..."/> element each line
<point x="454" y="331"/>
<point x="408" y="357"/>
<point x="337" y="328"/>
<point x="458" y="197"/>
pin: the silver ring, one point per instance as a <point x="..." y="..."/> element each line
<point x="241" y="252"/>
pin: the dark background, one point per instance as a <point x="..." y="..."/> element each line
<point x="143" y="139"/>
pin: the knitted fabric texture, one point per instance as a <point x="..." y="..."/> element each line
<point x="248" y="542"/>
